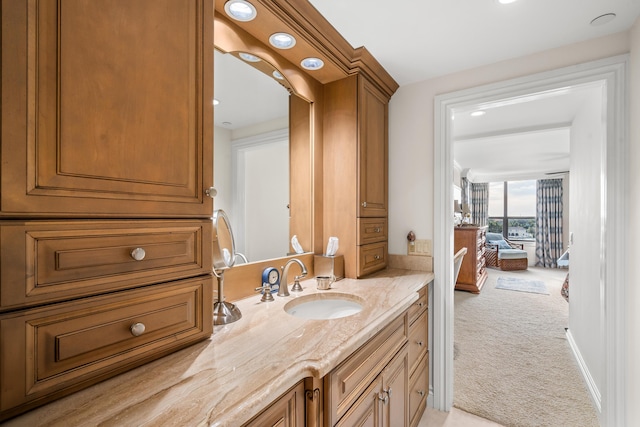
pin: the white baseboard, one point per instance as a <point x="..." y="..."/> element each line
<point x="586" y="375"/>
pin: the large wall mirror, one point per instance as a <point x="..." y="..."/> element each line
<point x="260" y="123"/>
<point x="251" y="156"/>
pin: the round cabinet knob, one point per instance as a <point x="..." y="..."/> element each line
<point x="421" y="393"/>
<point x="138" y="254"/>
<point x="376" y="257"/>
<point x="137" y="329"/>
<point x="364" y="204"/>
<point x="383" y="397"/>
<point x="211" y="192"/>
<point x="377" y="230"/>
<point x="420" y="343"/>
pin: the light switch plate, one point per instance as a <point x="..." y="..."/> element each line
<point x="422" y="247"/>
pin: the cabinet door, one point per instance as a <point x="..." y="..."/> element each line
<point x="395" y="383"/>
<point x="373" y="147"/>
<point x="105" y="111"/>
<point x="367" y="410"/>
<point x="287" y="411"/>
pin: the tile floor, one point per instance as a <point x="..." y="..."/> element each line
<point x="455" y="418"/>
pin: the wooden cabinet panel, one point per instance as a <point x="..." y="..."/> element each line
<point x="287" y="411"/>
<point x="93" y="131"/>
<point x="347" y="381"/>
<point x="372" y="230"/>
<point x="395" y="386"/>
<point x="473" y="273"/>
<point x="367" y="410"/>
<point x="418" y="391"/>
<point x="64" y="259"/>
<point x="47" y="351"/>
<point x="373" y="157"/>
<point x="419" y="306"/>
<point x="417" y="341"/>
<point x="372" y="257"/>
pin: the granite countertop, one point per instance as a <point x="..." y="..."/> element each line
<point x="243" y="367"/>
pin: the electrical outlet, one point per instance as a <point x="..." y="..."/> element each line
<point x="421" y="247"/>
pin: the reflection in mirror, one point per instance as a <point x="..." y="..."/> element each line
<point x="224" y="256"/>
<point x="251" y="156"/>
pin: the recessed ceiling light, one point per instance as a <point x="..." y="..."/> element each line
<point x="278" y="75"/>
<point x="248" y="57"/>
<point x="478" y="113"/>
<point x="215" y="101"/>
<point x="240" y="10"/>
<point x="603" y="19"/>
<point x="506" y="1"/>
<point x="312" y="63"/>
<point x="282" y="40"/>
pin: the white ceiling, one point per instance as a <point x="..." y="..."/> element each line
<point x="423" y="39"/>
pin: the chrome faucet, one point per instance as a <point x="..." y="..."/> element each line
<point x="283" y="291"/>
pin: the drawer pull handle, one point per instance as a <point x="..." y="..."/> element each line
<point x="364" y="204"/>
<point x="420" y="343"/>
<point x="388" y="391"/>
<point x="137" y="329"/>
<point x="384" y="397"/>
<point x="378" y="229"/>
<point x="420" y="304"/>
<point x="377" y="257"/>
<point x="421" y="393"/>
<point x="138" y="254"/>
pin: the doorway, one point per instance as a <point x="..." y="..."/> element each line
<point x="612" y="175"/>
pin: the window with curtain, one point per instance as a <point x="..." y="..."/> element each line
<point x="512" y="209"/>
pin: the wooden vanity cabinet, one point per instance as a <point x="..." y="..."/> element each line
<point x="355" y="172"/>
<point x="107" y="150"/>
<point x="473" y="272"/>
<point x="287" y="411"/>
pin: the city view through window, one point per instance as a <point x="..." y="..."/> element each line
<point x="512" y="209"/>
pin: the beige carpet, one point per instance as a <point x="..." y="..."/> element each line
<point x="512" y="361"/>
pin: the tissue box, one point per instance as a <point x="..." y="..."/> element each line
<point x="329" y="266"/>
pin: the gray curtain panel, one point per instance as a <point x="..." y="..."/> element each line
<point x="549" y="245"/>
<point x="479" y="203"/>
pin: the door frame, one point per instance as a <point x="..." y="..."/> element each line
<point x="613" y="72"/>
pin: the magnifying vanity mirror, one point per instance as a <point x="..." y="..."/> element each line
<point x="224" y="257"/>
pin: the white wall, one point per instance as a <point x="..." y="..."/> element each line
<point x="585" y="322"/>
<point x="633" y="250"/>
<point x="411" y="129"/>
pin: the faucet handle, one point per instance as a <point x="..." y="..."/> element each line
<point x="296" y="284"/>
<point x="266" y="292"/>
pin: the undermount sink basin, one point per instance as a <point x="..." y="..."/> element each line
<point x="323" y="306"/>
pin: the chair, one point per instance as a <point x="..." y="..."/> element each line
<point x="504" y="254"/>
<point x="457" y="262"/>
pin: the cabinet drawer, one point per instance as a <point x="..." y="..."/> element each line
<point x="372" y="230"/>
<point x="419" y="306"/>
<point x="417" y="341"/>
<point x="347" y="382"/>
<point x="62" y="260"/>
<point x="372" y="257"/>
<point x="50" y="350"/>
<point x="418" y="391"/>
